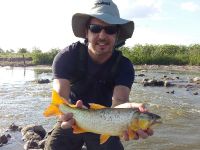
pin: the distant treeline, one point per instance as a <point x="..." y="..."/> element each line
<point x="139" y="54"/>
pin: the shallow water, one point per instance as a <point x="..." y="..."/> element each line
<point x="22" y="101"/>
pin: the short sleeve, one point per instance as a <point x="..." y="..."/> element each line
<point x="126" y="73"/>
<point x="64" y="63"/>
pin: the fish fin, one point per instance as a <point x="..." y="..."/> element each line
<point x="131" y="134"/>
<point x="96" y="106"/>
<point x="57" y="99"/>
<point x="77" y="129"/>
<point x="52" y="110"/>
<point x="104" y="138"/>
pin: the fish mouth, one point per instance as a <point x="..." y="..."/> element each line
<point x="158" y="121"/>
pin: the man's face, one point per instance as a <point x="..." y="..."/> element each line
<point x="100" y="41"/>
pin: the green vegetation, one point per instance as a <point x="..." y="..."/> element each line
<point x="163" y="54"/>
<point x="24" y="57"/>
<point x="139" y="54"/>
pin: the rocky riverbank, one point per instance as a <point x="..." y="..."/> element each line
<point x="185" y="68"/>
<point x="27" y="137"/>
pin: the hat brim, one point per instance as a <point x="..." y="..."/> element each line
<point x="79" y="21"/>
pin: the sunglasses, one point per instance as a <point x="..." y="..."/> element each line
<point x="108" y="29"/>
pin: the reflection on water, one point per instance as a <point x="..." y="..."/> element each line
<point x="13" y="75"/>
<point x="22" y="101"/>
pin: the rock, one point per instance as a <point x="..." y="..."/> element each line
<point x="8" y="136"/>
<point x="35" y="128"/>
<point x="171" y="92"/>
<point x="167" y="83"/>
<point x="152" y="82"/>
<point x="177" y="77"/>
<point x="31" y="144"/>
<point x="13" y="127"/>
<point x="41" y="143"/>
<point x="31" y="135"/>
<point x="34" y="136"/>
<point x="195" y="93"/>
<point x="43" y="81"/>
<point x="3" y="139"/>
<point x="143" y="70"/>
<point x="196" y="80"/>
<point x="141" y="75"/>
<point x="40" y="130"/>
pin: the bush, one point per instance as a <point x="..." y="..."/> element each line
<point x="163" y="54"/>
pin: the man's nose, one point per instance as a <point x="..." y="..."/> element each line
<point x="102" y="33"/>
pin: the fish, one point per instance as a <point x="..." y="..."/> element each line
<point x="102" y="120"/>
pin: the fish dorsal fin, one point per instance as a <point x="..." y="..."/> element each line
<point x="77" y="129"/>
<point x="104" y="138"/>
<point x="96" y="106"/>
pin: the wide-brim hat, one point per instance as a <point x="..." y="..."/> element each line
<point x="106" y="11"/>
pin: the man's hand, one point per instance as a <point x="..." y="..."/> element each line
<point x="67" y="119"/>
<point x="140" y="133"/>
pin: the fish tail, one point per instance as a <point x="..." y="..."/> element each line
<point x="53" y="108"/>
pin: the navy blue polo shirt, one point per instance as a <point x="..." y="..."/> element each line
<point x="65" y="66"/>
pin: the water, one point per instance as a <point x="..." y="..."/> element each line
<point x="22" y="101"/>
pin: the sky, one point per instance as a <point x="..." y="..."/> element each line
<point x="46" y="24"/>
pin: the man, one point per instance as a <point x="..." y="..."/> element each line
<point x="103" y="29"/>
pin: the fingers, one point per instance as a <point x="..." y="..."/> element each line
<point x="79" y="104"/>
<point x="131" y="135"/>
<point x="142" y="134"/>
<point x="125" y="136"/>
<point x="67" y="124"/>
<point x="67" y="119"/>
<point x="149" y="132"/>
<point x="140" y="106"/>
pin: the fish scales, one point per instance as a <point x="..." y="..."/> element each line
<point x="103" y="121"/>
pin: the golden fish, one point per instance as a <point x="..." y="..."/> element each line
<point x="101" y="120"/>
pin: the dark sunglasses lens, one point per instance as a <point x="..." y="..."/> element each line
<point x="108" y="29"/>
<point x="111" y="29"/>
<point x="95" y="28"/>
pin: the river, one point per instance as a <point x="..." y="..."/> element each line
<point x="22" y="101"/>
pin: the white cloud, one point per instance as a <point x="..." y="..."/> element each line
<point x="190" y="6"/>
<point x="139" y="8"/>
